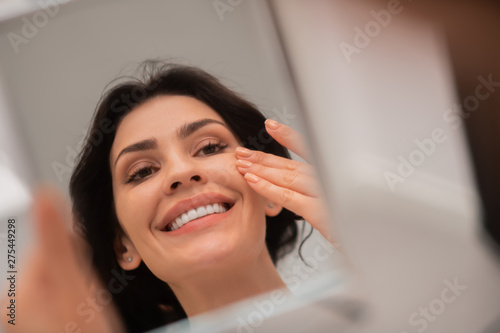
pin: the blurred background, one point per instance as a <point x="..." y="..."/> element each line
<point x="399" y="99"/>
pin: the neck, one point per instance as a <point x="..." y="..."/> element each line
<point x="223" y="286"/>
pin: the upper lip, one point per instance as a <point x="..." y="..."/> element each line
<point x="193" y="202"/>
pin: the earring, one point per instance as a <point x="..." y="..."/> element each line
<point x="129" y="259"/>
<point x="270" y="205"/>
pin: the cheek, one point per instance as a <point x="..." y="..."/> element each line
<point x="136" y="208"/>
<point x="222" y="172"/>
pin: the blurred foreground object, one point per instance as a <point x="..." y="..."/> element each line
<point x="55" y="290"/>
<point x="378" y="80"/>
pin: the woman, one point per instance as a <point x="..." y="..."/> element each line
<point x="188" y="195"/>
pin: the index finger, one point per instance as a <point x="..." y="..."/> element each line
<point x="287" y="137"/>
<point x="274" y="161"/>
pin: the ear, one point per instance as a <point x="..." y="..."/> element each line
<point x="271" y="208"/>
<point x="126" y="254"/>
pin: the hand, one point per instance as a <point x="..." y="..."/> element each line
<point x="55" y="281"/>
<point x="289" y="183"/>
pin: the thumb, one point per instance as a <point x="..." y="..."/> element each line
<point x="52" y="233"/>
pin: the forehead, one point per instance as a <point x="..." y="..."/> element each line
<point x="160" y="117"/>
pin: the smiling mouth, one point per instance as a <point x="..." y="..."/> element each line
<point x="196" y="213"/>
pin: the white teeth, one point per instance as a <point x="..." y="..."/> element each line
<point x="201" y="211"/>
<point x="193" y="214"/>
<point x="216" y="208"/>
<point x="177" y="224"/>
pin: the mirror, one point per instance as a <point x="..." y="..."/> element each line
<point x="58" y="60"/>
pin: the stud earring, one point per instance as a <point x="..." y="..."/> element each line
<point x="129" y="259"/>
<point x="270" y="205"/>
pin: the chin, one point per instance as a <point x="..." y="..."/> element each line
<point x="221" y="253"/>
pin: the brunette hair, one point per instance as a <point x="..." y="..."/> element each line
<point x="145" y="301"/>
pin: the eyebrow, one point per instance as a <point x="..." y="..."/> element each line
<point x="187" y="129"/>
<point x="143" y="145"/>
<point x="183" y="132"/>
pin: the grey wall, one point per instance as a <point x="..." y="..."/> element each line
<point x="57" y="77"/>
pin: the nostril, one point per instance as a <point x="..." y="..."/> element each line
<point x="196" y="178"/>
<point x="174" y="185"/>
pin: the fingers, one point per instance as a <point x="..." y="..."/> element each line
<point x="294" y="201"/>
<point x="287" y="178"/>
<point x="312" y="209"/>
<point x="287" y="137"/>
<point x="273" y="161"/>
<point x="288" y="183"/>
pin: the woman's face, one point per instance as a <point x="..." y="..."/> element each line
<point x="173" y="160"/>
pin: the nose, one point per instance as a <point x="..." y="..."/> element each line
<point x="183" y="173"/>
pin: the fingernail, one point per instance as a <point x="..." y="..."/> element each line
<point x="272" y="124"/>
<point x="244" y="164"/>
<point x="251" y="177"/>
<point x="243" y="152"/>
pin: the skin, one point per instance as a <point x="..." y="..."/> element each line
<point x="210" y="267"/>
<point x="207" y="269"/>
<point x="288" y="183"/>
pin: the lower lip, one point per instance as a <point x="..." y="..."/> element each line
<point x="200" y="223"/>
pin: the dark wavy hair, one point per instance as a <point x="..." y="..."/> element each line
<point x="144" y="301"/>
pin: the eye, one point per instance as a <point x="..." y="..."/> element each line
<point x="139" y="174"/>
<point x="211" y="148"/>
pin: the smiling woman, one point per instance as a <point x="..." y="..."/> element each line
<point x="170" y="197"/>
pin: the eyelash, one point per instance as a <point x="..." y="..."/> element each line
<point x="218" y="145"/>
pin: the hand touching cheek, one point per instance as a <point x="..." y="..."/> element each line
<point x="288" y="183"/>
